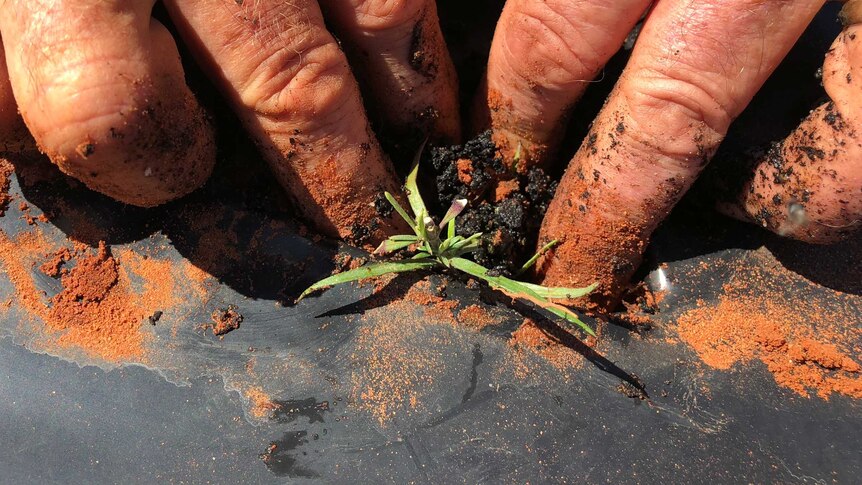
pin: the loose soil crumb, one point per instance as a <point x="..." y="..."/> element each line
<point x="266" y="456"/>
<point x="100" y="308"/>
<point x="530" y="337"/>
<point x="807" y="348"/>
<point x="88" y="282"/>
<point x="505" y="189"/>
<point x="225" y="320"/>
<point x="54" y="266"/>
<point x="438" y="307"/>
<point x="465" y="170"/>
<point x="396" y="362"/>
<point x="477" y="317"/>
<point x="95" y="310"/>
<point x="345" y="262"/>
<point x="634" y="389"/>
<point x="155" y="317"/>
<point x="261" y="405"/>
<point x="6" y="171"/>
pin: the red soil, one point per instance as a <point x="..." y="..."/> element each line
<point x="807" y="347"/>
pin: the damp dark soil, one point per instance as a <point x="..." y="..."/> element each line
<point x="505" y="206"/>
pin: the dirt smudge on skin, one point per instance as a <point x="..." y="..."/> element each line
<point x="606" y="206"/>
<point x="511" y="138"/>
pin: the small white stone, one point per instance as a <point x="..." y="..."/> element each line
<point x="148" y="172"/>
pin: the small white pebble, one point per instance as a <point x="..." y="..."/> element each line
<point x="148" y="172"/>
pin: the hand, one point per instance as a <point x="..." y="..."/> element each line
<point x="101" y="88"/>
<point x="695" y="66"/>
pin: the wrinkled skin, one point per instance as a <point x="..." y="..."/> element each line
<point x="694" y="68"/>
<point x="100" y="89"/>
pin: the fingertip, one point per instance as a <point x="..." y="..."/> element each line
<point x="401" y="60"/>
<point x="542" y="58"/>
<point x="13" y="133"/>
<point x="111" y="107"/>
<point x="160" y="149"/>
<point x="291" y="86"/>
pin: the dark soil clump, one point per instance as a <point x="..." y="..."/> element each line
<point x="505" y="206"/>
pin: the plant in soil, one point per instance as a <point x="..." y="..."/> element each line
<point x="430" y="250"/>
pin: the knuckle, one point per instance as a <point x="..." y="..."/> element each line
<point x="297" y="77"/>
<point x="379" y="15"/>
<point x="543" y="41"/>
<point x="305" y="84"/>
<point x="147" y="150"/>
<point x="680" y="116"/>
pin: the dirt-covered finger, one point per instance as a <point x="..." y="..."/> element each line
<point x="292" y="88"/>
<point x="398" y="53"/>
<point x="543" y="56"/>
<point x="101" y="88"/>
<point x="809" y="185"/>
<point x="8" y="108"/>
<point x="694" y="68"/>
<point x="13" y="133"/>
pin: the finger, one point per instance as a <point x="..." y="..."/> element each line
<point x="8" y="108"/>
<point x="14" y="137"/>
<point x="543" y="57"/>
<point x="101" y="88"/>
<point x="809" y="186"/>
<point x="399" y="55"/>
<point x="292" y="88"/>
<point x="694" y="68"/>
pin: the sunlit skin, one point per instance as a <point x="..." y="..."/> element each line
<point x="100" y="89"/>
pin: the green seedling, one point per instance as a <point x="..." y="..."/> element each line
<point x="433" y="250"/>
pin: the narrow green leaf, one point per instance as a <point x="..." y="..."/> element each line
<point x="449" y="242"/>
<point x="519" y="290"/>
<point x="400" y="210"/>
<point x="517" y="157"/>
<point x="444" y="245"/>
<point x="369" y="271"/>
<point x="538" y="254"/>
<point x="421" y="230"/>
<point x="450" y="232"/>
<point x="568" y="316"/>
<point x="404" y="237"/>
<point x="560" y="293"/>
<point x="461" y="245"/>
<point x="413" y="195"/>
